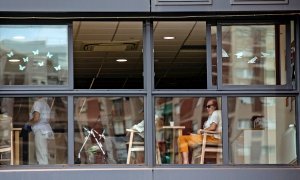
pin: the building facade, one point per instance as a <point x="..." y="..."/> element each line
<point x="96" y="72"/>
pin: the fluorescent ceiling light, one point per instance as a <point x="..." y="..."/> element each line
<point x="169" y="37"/>
<point x="121" y="60"/>
<point x="14" y="60"/>
<point x="18" y="37"/>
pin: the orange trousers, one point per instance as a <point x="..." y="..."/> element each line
<point x="186" y="141"/>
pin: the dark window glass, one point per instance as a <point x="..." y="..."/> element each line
<point x="180" y="55"/>
<point x="108" y="55"/>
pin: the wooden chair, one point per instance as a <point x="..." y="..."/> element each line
<point x="133" y="146"/>
<point x="6" y="140"/>
<point x="139" y="146"/>
<point x="209" y="147"/>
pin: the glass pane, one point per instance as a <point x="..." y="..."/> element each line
<point x="262" y="130"/>
<point x="178" y="121"/>
<point x="103" y="126"/>
<point x="293" y="54"/>
<point x="180" y="54"/>
<point x="214" y="54"/>
<point x="253" y="55"/>
<point x="33" y="130"/>
<point x="34" y="55"/>
<point x="108" y="55"/>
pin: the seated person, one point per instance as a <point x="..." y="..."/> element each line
<point x="213" y="123"/>
<point x="138" y="137"/>
<point x="140" y="129"/>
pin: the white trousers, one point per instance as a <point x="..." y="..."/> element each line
<point x="41" y="147"/>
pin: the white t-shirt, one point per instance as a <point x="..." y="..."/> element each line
<point x="215" y="117"/>
<point x="43" y="125"/>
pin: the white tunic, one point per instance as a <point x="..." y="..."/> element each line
<point x="43" y="125"/>
<point x="215" y="117"/>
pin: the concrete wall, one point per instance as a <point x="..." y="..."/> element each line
<point x="75" y="5"/>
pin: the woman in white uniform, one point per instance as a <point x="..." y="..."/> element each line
<point x="39" y="121"/>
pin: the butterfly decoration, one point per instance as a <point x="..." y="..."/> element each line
<point x="36" y="52"/>
<point x="57" y="68"/>
<point x="21" y="68"/>
<point x="252" y="61"/>
<point x="26" y="59"/>
<point x="239" y="55"/>
<point x="49" y="55"/>
<point x="41" y="64"/>
<point x="10" y="54"/>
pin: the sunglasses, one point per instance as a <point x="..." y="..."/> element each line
<point x="208" y="106"/>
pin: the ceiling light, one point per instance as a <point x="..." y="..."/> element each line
<point x="18" y="37"/>
<point x="121" y="60"/>
<point x="14" y="60"/>
<point x="169" y="37"/>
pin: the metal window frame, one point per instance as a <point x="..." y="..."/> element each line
<point x="233" y="2"/>
<point x="182" y="2"/>
<point x="149" y="94"/>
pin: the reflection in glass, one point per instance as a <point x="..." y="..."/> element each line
<point x="255" y="55"/>
<point x="214" y="54"/>
<point x="21" y="137"/>
<point x="109" y="119"/>
<point x="262" y="130"/>
<point x="108" y="55"/>
<point x="180" y="61"/>
<point x="293" y="54"/>
<point x="178" y="120"/>
<point x="34" y="55"/>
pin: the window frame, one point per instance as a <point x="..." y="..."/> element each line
<point x="149" y="93"/>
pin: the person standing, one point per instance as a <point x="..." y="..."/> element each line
<point x="39" y="120"/>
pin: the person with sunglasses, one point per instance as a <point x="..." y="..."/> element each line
<point x="213" y="123"/>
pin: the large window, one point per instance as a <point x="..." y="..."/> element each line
<point x="101" y="129"/>
<point x="34" y="55"/>
<point x="108" y="55"/>
<point x="28" y="142"/>
<point x="181" y="96"/>
<point x="179" y="123"/>
<point x="180" y="54"/>
<point x="262" y="130"/>
<point x="254" y="55"/>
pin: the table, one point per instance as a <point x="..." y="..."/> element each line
<point x="179" y="133"/>
<point x="16" y="145"/>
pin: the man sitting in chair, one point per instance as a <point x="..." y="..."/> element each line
<point x="213" y="123"/>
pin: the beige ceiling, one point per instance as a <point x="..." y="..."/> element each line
<point x="97" y="46"/>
